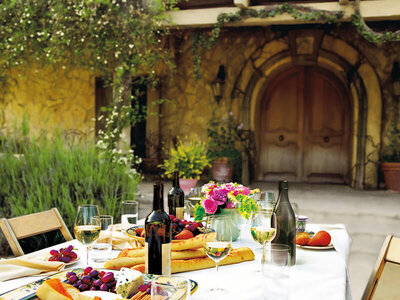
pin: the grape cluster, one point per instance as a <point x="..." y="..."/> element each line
<point x="145" y="288"/>
<point x="92" y="280"/>
<point x="178" y="225"/>
<point x="64" y="254"/>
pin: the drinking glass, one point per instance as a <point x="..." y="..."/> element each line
<point x="267" y="201"/>
<point x="275" y="270"/>
<point x="164" y="287"/>
<point x="87" y="226"/>
<point x="101" y="249"/>
<point x="220" y="246"/>
<point x="263" y="228"/>
<point x="129" y="212"/>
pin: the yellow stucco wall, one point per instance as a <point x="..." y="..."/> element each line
<point x="50" y="100"/>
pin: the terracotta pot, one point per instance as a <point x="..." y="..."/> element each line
<point x="391" y="172"/>
<point x="221" y="170"/>
<point x="187" y="184"/>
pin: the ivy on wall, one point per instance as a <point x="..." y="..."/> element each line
<point x="298" y="13"/>
<point x="115" y="39"/>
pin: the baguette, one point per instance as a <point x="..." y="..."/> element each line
<point x="193" y="243"/>
<point x="235" y="256"/>
<point x="132" y="257"/>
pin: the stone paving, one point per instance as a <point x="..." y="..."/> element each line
<point x="368" y="215"/>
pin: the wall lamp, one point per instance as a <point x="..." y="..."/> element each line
<point x="218" y="85"/>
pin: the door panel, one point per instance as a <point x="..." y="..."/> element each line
<point x="305" y="128"/>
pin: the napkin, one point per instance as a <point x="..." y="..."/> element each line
<point x="24" y="266"/>
<point x="120" y="240"/>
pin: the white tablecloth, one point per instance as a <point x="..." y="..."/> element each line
<point x="316" y="275"/>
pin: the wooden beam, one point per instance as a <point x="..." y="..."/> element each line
<point x="373" y="10"/>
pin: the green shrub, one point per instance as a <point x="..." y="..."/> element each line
<point x="54" y="173"/>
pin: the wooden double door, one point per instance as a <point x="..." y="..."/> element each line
<point x="305" y="128"/>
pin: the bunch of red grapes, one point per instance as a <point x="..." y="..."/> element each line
<point x="92" y="280"/>
<point x="64" y="254"/>
<point x="178" y="225"/>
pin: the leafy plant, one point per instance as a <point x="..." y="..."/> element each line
<point x="54" y="173"/>
<point x="189" y="158"/>
<point x="392" y="151"/>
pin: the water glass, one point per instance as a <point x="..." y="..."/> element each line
<point x="129" y="212"/>
<point x="164" y="287"/>
<point x="267" y="201"/>
<point x="101" y="249"/>
<point x="275" y="270"/>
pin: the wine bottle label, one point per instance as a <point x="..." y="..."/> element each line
<point x="180" y="212"/>
<point x="165" y="260"/>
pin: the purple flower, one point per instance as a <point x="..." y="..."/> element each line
<point x="210" y="206"/>
<point x="220" y="194"/>
<point x="231" y="205"/>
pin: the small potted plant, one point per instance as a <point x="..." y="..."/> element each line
<point x="391" y="161"/>
<point x="225" y="157"/>
<point x="232" y="199"/>
<point x="190" y="159"/>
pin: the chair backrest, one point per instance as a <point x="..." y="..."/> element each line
<point x="18" y="228"/>
<point x="384" y="282"/>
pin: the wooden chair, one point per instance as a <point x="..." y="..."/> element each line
<point x="17" y="228"/>
<point x="384" y="282"/>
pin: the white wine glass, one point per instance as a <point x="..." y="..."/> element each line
<point x="87" y="226"/>
<point x="263" y="228"/>
<point x="221" y="245"/>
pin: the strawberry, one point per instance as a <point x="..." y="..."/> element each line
<point x="321" y="238"/>
<point x="184" y="235"/>
<point x="302" y="239"/>
<point x="139" y="231"/>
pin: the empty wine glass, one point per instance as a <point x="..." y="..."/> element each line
<point x="263" y="228"/>
<point x="87" y="226"/>
<point x="219" y="247"/>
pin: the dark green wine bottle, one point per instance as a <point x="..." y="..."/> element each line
<point x="158" y="236"/>
<point x="176" y="198"/>
<point x="286" y="221"/>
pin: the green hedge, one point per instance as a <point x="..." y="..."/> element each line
<point x="53" y="173"/>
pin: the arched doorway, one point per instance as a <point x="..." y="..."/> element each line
<point x="305" y="127"/>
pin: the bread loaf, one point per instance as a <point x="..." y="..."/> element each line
<point x="193" y="243"/>
<point x="235" y="256"/>
<point x="132" y="257"/>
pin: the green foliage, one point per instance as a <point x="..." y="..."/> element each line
<point x="391" y="152"/>
<point x="199" y="212"/>
<point x="100" y="35"/>
<point x="189" y="158"/>
<point x="247" y="206"/>
<point x="53" y="173"/>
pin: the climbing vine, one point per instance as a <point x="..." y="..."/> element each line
<point x="208" y="40"/>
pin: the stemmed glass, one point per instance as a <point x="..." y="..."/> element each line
<point x="218" y="248"/>
<point x="263" y="228"/>
<point x="87" y="226"/>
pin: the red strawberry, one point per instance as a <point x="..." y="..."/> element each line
<point x="184" y="235"/>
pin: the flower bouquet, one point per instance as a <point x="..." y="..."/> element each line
<point x="218" y="196"/>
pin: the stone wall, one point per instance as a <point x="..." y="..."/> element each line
<point x="49" y="100"/>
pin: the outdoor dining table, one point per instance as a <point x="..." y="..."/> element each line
<point x="318" y="274"/>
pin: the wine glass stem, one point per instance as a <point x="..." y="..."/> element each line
<point x="216" y="265"/>
<point x="87" y="256"/>
<point x="263" y="255"/>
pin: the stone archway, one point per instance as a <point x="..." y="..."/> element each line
<point x="349" y="67"/>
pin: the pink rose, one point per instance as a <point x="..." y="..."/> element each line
<point x="210" y="206"/>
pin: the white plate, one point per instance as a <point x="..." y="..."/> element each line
<point x="103" y="295"/>
<point x="330" y="246"/>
